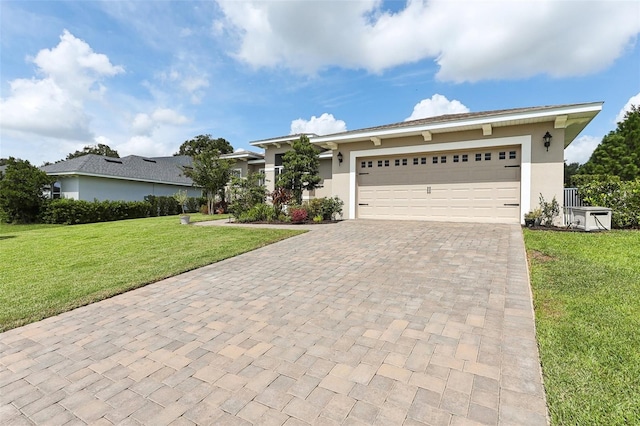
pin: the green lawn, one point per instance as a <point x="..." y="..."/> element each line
<point x="49" y="269"/>
<point x="586" y="290"/>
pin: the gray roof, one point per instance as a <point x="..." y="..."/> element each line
<point x="133" y="167"/>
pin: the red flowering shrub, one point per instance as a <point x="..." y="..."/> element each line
<point x="298" y="215"/>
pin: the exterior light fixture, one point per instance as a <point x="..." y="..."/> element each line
<point x="340" y="157"/>
<point x="547" y="140"/>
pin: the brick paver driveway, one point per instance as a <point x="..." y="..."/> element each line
<point x="363" y="322"/>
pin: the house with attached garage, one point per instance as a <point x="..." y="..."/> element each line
<point x="476" y="167"/>
<point x="133" y="177"/>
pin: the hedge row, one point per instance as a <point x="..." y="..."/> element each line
<point x="71" y="212"/>
<point x="622" y="197"/>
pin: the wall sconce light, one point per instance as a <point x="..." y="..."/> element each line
<point x="547" y="140"/>
<point x="340" y="157"/>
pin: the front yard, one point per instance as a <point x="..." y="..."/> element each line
<point x="587" y="300"/>
<point x="49" y="269"/>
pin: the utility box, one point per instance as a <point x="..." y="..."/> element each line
<point x="592" y="218"/>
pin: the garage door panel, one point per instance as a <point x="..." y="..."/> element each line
<point x="484" y="190"/>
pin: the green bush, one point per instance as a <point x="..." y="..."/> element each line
<point x="548" y="210"/>
<point x="71" y="212"/>
<point x="622" y="197"/>
<point x="258" y="213"/>
<point x="21" y="196"/>
<point x="245" y="193"/>
<point x="194" y="204"/>
<point x="163" y="205"/>
<point x="326" y="207"/>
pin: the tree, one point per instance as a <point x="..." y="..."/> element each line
<point x="570" y="170"/>
<point x="21" y="196"/>
<point x="202" y="143"/>
<point x="211" y="173"/>
<point x="619" y="152"/>
<point x="300" y="169"/>
<point x="100" y="149"/>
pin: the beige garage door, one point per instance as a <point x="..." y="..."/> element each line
<point x="471" y="186"/>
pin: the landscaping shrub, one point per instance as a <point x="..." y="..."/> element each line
<point x="246" y="193"/>
<point x="325" y="207"/>
<point x="298" y="214"/>
<point x="280" y="197"/>
<point x="622" y="197"/>
<point x="163" y="205"/>
<point x="194" y="204"/>
<point x="71" y="212"/>
<point x="548" y="210"/>
<point x="258" y="213"/>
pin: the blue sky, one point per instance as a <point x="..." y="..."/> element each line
<point x="144" y="76"/>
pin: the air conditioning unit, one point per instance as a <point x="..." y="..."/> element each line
<point x="592" y="218"/>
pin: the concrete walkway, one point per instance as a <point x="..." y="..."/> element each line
<point x="361" y="322"/>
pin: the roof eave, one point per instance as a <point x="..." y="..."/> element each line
<point x="578" y="113"/>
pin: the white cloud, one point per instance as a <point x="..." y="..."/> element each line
<point x="192" y="81"/>
<point x="144" y="124"/>
<point x="140" y="145"/>
<point x="54" y="105"/>
<point x="470" y="41"/>
<point x="634" y="100"/>
<point x="437" y="105"/>
<point x="581" y="149"/>
<point x="169" y="116"/>
<point x="324" y="125"/>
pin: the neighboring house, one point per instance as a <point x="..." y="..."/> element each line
<point x="129" y="178"/>
<point x="133" y="177"/>
<point x="476" y="167"/>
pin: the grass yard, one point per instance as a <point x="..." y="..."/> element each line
<point x="586" y="289"/>
<point x="49" y="269"/>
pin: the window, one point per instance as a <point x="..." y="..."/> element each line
<point x="404" y="161"/>
<point x="415" y="161"/>
<point x="502" y="155"/>
<point x="369" y="164"/>
<point x="434" y="160"/>
<point x="278" y="166"/>
<point x="443" y="159"/>
<point x="56" y="191"/>
<point x="487" y="156"/>
<point x="397" y="162"/>
<point x="423" y="160"/>
<point x="456" y="158"/>
<point x="478" y="157"/>
<point x="386" y="163"/>
<point x="261" y="179"/>
<point x="363" y="165"/>
<point x="236" y="173"/>
<point x="512" y="155"/>
<point x="379" y="163"/>
<point x="465" y="158"/>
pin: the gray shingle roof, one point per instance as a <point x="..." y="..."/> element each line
<point x="133" y="167"/>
